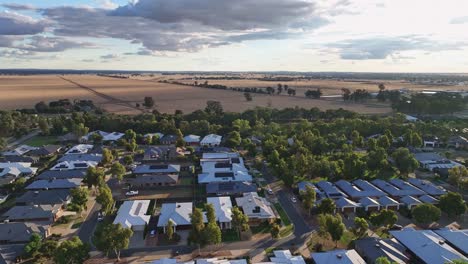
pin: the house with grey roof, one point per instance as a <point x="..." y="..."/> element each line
<point x="369" y="204"/>
<point x="426" y="246"/>
<point x="61" y="174"/>
<point x="230" y="188"/>
<point x="410" y="201"/>
<point x="223" y="210"/>
<point x="157" y="169"/>
<point x="285" y="257"/>
<point x="406" y="187"/>
<point x="338" y="256"/>
<point x="177" y="213"/>
<point x="257" y="208"/>
<point x="45" y="151"/>
<point x="50" y="197"/>
<point x="399" y="190"/>
<point x="456" y="238"/>
<point x="81" y="157"/>
<point x="372" y="248"/>
<point x="330" y="190"/>
<point x="428" y="199"/>
<point x="132" y="214"/>
<point x="19" y="151"/>
<point x="345" y="205"/>
<point x="162" y="153"/>
<point x="192" y="140"/>
<point x="74" y="165"/>
<point x="211" y="140"/>
<point x="54" y="184"/>
<point x="359" y="189"/>
<point x="388" y="203"/>
<point x="435" y="162"/>
<point x="33" y="213"/>
<point x="20" y="233"/>
<point x="427" y="187"/>
<point x="168" y="139"/>
<point x="148" y="181"/>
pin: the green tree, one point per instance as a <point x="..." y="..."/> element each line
<point x="452" y="204"/>
<point x="72" y="251"/>
<point x="240" y="221"/>
<point x="425" y="214"/>
<point x="118" y="170"/>
<point x="80" y="130"/>
<point x="79" y="198"/>
<point x="327" y="206"/>
<point x="32" y="248"/>
<point x="107" y="157"/>
<point x="105" y="199"/>
<point x="385" y="218"/>
<point x="357" y="139"/>
<point x="180" y="139"/>
<point x="211" y="232"/>
<point x="457" y="175"/>
<point x="170" y="230"/>
<point x="404" y="161"/>
<point x="248" y="96"/>
<point x="308" y="198"/>
<point x="360" y="227"/>
<point x="110" y="237"/>
<point x="383" y="260"/>
<point x="3" y="143"/>
<point x="233" y="139"/>
<point x="128" y="160"/>
<point x="196" y="234"/>
<point x="332" y="226"/>
<point x="148" y="102"/>
<point x="384" y="142"/>
<point x="94" y="177"/>
<point x="131" y="145"/>
<point x="275" y="230"/>
<point x="48" y="248"/>
<point x="44" y="126"/>
<point x="130" y="134"/>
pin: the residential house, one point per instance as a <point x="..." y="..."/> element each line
<point x="106" y="136"/>
<point x="345" y="205"/>
<point x="330" y="190"/>
<point x="33" y="213"/>
<point x="62" y="174"/>
<point x="170" y="261"/>
<point x="428" y="199"/>
<point x="406" y="187"/>
<point x="223" y="210"/>
<point x="20" y="233"/>
<point x="9" y="172"/>
<point x="257" y="208"/>
<point x="19" y="151"/>
<point x="456" y="238"/>
<point x="152" y="135"/>
<point x="397" y="191"/>
<point x="338" y="256"/>
<point x="230" y="188"/>
<point x="81" y="157"/>
<point x="302" y="187"/>
<point x="427" y="187"/>
<point x="192" y="140"/>
<point x="457" y="142"/>
<point x="410" y="201"/>
<point x="285" y="257"/>
<point x="221" y="261"/>
<point x="148" y="181"/>
<point x="168" y="139"/>
<point x="40" y="197"/>
<point x="223" y="167"/>
<point x="162" y="153"/>
<point x="132" y="214"/>
<point x="45" y="151"/>
<point x="372" y="248"/>
<point x="54" y="184"/>
<point x="435" y="163"/>
<point x="157" y="169"/>
<point x="430" y="141"/>
<point x="211" y="140"/>
<point x="20" y="159"/>
<point x="369" y="204"/>
<point x="388" y="203"/>
<point x="426" y="246"/>
<point x="74" y="165"/>
<point x="80" y="149"/>
<point x="177" y="213"/>
<point x="359" y="189"/>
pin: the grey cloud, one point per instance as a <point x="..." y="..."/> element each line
<point x="16" y="24"/>
<point x="19" y="7"/>
<point x="7" y="41"/>
<point x="110" y="56"/>
<point x="222" y="14"/>
<point x="459" y="20"/>
<point x="87" y="60"/>
<point x="51" y="44"/>
<point x="382" y="47"/>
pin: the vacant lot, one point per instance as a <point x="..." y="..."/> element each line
<point x="121" y="95"/>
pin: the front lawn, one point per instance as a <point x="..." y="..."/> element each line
<point x="284" y="217"/>
<point x="39" y="141"/>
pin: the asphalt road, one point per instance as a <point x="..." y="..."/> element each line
<point x="300" y="225"/>
<point x="87" y="227"/>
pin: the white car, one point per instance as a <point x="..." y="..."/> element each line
<point x="293" y="199"/>
<point x="270" y="191"/>
<point x="100" y="217"/>
<point x="131" y="193"/>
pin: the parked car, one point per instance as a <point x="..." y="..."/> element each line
<point x="100" y="217"/>
<point x="270" y="191"/>
<point x="396" y="227"/>
<point x="131" y="193"/>
<point x="293" y="199"/>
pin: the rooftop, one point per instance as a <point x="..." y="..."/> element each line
<point x="55" y="184"/>
<point x="133" y="213"/>
<point x="255" y="206"/>
<point x="222" y="206"/>
<point x="330" y="190"/>
<point x="427" y="186"/>
<point x="457" y="238"/>
<point x="360" y="188"/>
<point x="177" y="213"/>
<point x="340" y="256"/>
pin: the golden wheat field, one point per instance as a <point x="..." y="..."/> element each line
<point x="121" y="95"/>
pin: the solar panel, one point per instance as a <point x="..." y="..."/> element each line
<point x="224" y="175"/>
<point x="235" y="160"/>
<point x="222" y="165"/>
<point x="158" y="167"/>
<point x="81" y="165"/>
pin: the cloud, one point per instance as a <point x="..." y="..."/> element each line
<point x="107" y="4"/>
<point x="222" y="14"/>
<point x="19" y="7"/>
<point x="188" y="25"/>
<point x="7" y="41"/>
<point x="16" y="24"/>
<point x="87" y="60"/>
<point x="459" y="20"/>
<point x="109" y="56"/>
<point x="378" y="48"/>
<point x="51" y="44"/>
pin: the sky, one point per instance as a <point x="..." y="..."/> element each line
<point x="236" y="35"/>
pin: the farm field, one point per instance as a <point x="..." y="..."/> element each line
<point x="121" y="95"/>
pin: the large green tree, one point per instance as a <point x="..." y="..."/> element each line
<point x="110" y="237"/>
<point x="79" y="198"/>
<point x="105" y="198"/>
<point x="360" y="227"/>
<point x="72" y="251"/>
<point x="425" y="214"/>
<point x="107" y="157"/>
<point x="404" y="161"/>
<point x="211" y="232"/>
<point x="32" y="247"/>
<point x="327" y="206"/>
<point x="332" y="226"/>
<point x="198" y="225"/>
<point x="240" y="221"/>
<point x="94" y="177"/>
<point x="118" y="171"/>
<point x="308" y="198"/>
<point x="452" y="204"/>
<point x="385" y="218"/>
